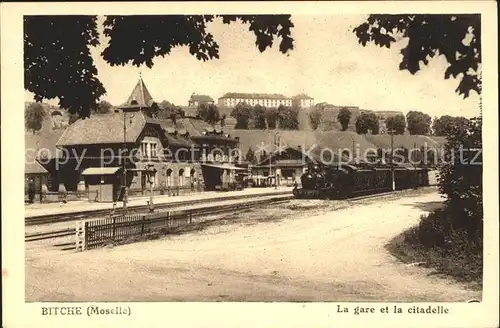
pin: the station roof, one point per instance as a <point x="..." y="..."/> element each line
<point x="100" y="170"/>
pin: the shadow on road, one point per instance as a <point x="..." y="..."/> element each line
<point x="427" y="206"/>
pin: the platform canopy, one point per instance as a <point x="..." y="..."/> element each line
<point x="100" y="170"/>
<point x="225" y="167"/>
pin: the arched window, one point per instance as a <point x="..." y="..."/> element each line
<point x="169" y="177"/>
<point x="192" y="178"/>
<point x="181" y="177"/>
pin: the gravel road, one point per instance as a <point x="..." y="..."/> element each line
<point x="285" y="254"/>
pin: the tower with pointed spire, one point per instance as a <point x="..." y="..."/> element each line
<point x="140" y="99"/>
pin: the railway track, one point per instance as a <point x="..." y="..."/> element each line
<point x="196" y="213"/>
<point x="66" y="217"/>
<point x="49" y="235"/>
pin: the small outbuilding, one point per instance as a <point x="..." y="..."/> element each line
<point x="103" y="184"/>
<point x="35" y="179"/>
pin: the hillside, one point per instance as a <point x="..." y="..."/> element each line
<point x="334" y="140"/>
<point x="55" y="118"/>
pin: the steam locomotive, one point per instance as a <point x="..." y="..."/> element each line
<point x="345" y="181"/>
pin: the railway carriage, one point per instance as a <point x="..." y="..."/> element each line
<point x="344" y="181"/>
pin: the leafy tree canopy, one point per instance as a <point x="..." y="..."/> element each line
<point x="250" y="156"/>
<point x="288" y="117"/>
<point x="259" y="117"/>
<point x="242" y="113"/>
<point x="456" y="37"/>
<point x="272" y="117"/>
<point x="367" y="122"/>
<point x="209" y="113"/>
<point x="344" y="117"/>
<point x="418" y="122"/>
<point x="34" y="115"/>
<point x="315" y="118"/>
<point x="449" y="125"/>
<point x="58" y="61"/>
<point x="396" y="123"/>
<point x="103" y="107"/>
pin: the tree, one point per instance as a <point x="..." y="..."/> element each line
<point x="153" y="110"/>
<point x="209" y="113"/>
<point x="73" y="117"/>
<point x="169" y="110"/>
<point x="271" y="117"/>
<point x="447" y="125"/>
<point x="344" y="117"/>
<point x="259" y="117"/>
<point x="241" y="113"/>
<point x="57" y="49"/>
<point x="396" y="123"/>
<point x="288" y="117"/>
<point x="365" y="122"/>
<point x="250" y="156"/>
<point x="430" y="35"/>
<point x="315" y="118"/>
<point x="460" y="177"/>
<point x="103" y="107"/>
<point x="34" y="115"/>
<point x="418" y="122"/>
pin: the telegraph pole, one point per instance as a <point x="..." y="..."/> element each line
<point x="275" y="168"/>
<point x="123" y="163"/>
<point x="393" y="182"/>
<point x="270" y="152"/>
<point x="353" y="149"/>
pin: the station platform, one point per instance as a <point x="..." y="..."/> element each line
<point x="34" y="210"/>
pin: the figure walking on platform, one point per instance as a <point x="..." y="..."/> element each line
<point x="31" y="190"/>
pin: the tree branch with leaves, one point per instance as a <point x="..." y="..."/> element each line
<point x="456" y="37"/>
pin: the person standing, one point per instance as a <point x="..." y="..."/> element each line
<point x="31" y="190"/>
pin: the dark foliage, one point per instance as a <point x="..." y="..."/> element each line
<point x="367" y="122"/>
<point x="428" y="36"/>
<point x="288" y="118"/>
<point x="396" y="123"/>
<point x="242" y="113"/>
<point x="449" y="125"/>
<point x="315" y="118"/>
<point x="418" y="123"/>
<point x="209" y="113"/>
<point x="103" y="107"/>
<point x="34" y="115"/>
<point x="58" y="62"/>
<point x="250" y="156"/>
<point x="460" y="177"/>
<point x="344" y="118"/>
<point x="272" y="117"/>
<point x="259" y="117"/>
<point x="153" y="110"/>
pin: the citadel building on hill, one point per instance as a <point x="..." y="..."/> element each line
<point x="231" y="99"/>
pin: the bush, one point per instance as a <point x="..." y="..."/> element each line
<point x="438" y="244"/>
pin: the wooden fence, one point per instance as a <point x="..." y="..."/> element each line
<point x="97" y="233"/>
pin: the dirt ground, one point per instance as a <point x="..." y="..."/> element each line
<point x="298" y="251"/>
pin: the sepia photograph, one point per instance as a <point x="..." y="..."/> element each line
<point x="213" y="156"/>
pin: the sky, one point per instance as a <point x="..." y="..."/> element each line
<point x="327" y="63"/>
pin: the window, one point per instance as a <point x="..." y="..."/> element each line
<point x="153" y="150"/>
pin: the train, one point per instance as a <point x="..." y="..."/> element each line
<point x="348" y="180"/>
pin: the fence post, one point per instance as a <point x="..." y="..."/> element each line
<point x="143" y="223"/>
<point x="81" y="239"/>
<point x="114" y="227"/>
<point x="190" y="217"/>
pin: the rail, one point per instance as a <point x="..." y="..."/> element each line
<point x="89" y="214"/>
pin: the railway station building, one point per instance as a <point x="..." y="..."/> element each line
<point x="175" y="155"/>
